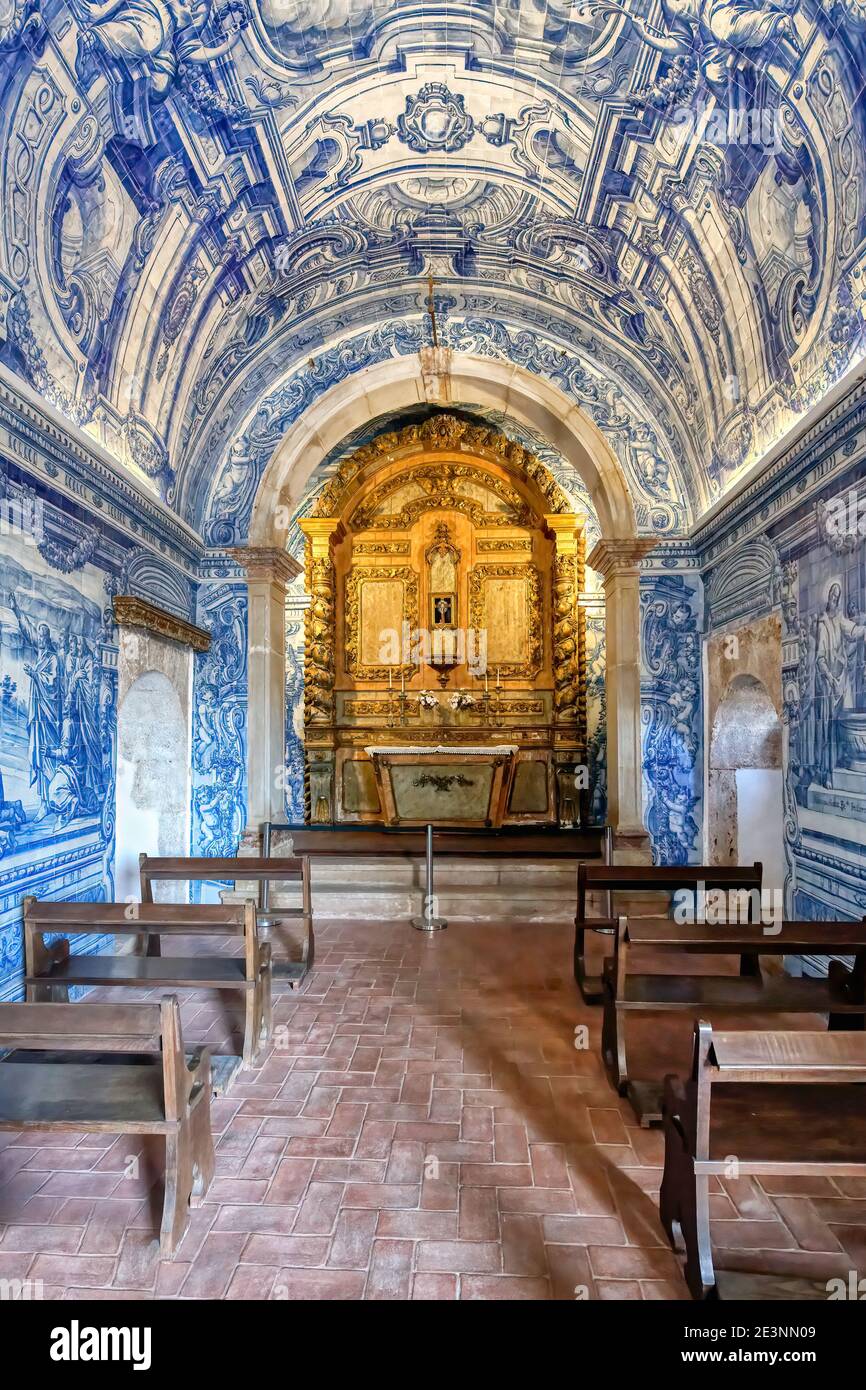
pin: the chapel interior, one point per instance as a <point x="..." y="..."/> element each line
<point x="433" y="650"/>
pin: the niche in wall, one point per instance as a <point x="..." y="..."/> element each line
<point x="744" y="781"/>
<point x="152" y="779"/>
<point x="153" y="756"/>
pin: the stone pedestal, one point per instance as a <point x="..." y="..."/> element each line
<point x="618" y="562"/>
<point x="846" y="797"/>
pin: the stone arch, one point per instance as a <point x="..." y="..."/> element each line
<point x="453" y="381"/>
<point x="398" y="385"/>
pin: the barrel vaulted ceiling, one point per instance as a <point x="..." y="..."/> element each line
<point x="215" y="210"/>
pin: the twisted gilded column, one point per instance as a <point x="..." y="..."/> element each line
<point x="320" y="581"/>
<point x="618" y="563"/>
<point x="568" y="677"/>
<point x="320" y="622"/>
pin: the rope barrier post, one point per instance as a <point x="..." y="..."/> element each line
<point x="429" y="921"/>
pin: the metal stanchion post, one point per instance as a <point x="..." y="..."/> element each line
<point x="429" y="921"/>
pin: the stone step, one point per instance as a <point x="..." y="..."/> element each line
<point x="354" y="902"/>
<point x="469" y="890"/>
<point x="341" y="901"/>
<point x="397" y="873"/>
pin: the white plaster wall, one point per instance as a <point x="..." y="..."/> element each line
<point x="759" y="822"/>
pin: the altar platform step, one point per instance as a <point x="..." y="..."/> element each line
<point x="466" y="889"/>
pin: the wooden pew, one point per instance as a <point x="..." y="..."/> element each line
<point x="289" y="869"/>
<point x="842" y="995"/>
<point x="789" y="1104"/>
<point x="50" y="969"/>
<point x="156" y="1093"/>
<point x="644" y="878"/>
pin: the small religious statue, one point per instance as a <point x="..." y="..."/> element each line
<point x="443" y="559"/>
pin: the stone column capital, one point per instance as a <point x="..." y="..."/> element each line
<point x="566" y="528"/>
<point x="620" y="559"/>
<point x="263" y="562"/>
<point x="322" y="532"/>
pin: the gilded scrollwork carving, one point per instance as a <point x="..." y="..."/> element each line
<point x="441" y="431"/>
<point x="380" y="709"/>
<point x="507" y="545"/>
<point x="381" y="548"/>
<point x="445" y="487"/>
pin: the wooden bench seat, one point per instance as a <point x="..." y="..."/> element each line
<point x="194" y="972"/>
<point x="154" y="1090"/>
<point x="260" y="870"/>
<point x="786" y="1104"/>
<point x="121" y="1099"/>
<point x="735" y="994"/>
<point x="611" y="879"/>
<point x="841" y="995"/>
<point x="51" y="969"/>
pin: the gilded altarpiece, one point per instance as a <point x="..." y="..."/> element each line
<point x="444" y="571"/>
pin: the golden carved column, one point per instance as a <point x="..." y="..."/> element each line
<point x="568" y="697"/>
<point x="320" y="622"/>
<point x="321" y="533"/>
<point x="268" y="574"/>
<point x="582" y="672"/>
<point x="618" y="563"/>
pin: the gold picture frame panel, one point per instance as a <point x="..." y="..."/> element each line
<point x="402" y="580"/>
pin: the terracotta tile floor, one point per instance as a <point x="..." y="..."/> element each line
<point x="423" y="1128"/>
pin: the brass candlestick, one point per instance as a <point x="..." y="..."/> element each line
<point x="402" y="700"/>
<point x="497" y="709"/>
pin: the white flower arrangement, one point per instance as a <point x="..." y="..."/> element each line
<point x="427" y="700"/>
<point x="461" y="699"/>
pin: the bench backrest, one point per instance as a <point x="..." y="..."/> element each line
<point x="798" y="938"/>
<point x="111" y="917"/>
<point x="81" y="1027"/>
<point x="201" y="869"/>
<point x="661" y="878"/>
<point x="664" y="877"/>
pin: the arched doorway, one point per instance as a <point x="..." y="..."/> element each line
<point x="153" y="780"/>
<point x="472" y="385"/>
<point x="744" y="781"/>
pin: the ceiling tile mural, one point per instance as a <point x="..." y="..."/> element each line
<point x="216" y="210"/>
